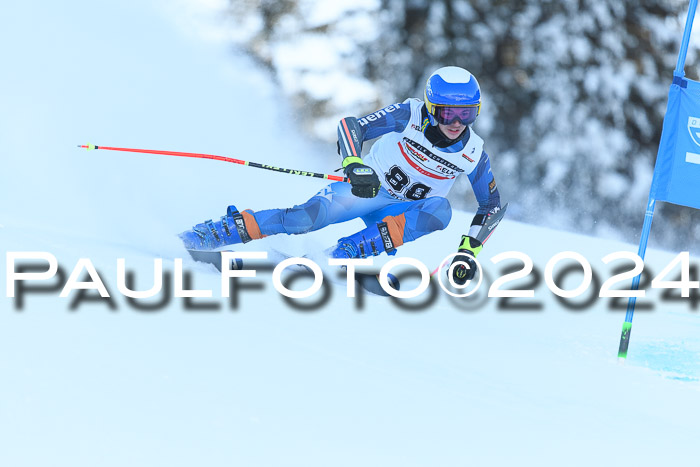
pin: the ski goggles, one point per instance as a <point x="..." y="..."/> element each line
<point x="448" y="114"/>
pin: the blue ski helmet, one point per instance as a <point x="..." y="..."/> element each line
<point x="452" y="93"/>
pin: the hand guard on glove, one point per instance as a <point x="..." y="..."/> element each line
<point x="468" y="249"/>
<point x="364" y="181"/>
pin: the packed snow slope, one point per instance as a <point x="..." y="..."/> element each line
<point x="262" y="382"/>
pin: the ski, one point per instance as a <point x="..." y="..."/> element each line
<point x="213" y="258"/>
<point x="368" y="281"/>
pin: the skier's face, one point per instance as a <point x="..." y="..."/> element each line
<point x="453" y="130"/>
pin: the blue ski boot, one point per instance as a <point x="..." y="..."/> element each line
<point x="371" y="241"/>
<point x="210" y="235"/>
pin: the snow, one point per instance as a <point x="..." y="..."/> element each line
<point x="313" y="58"/>
<point x="451" y="382"/>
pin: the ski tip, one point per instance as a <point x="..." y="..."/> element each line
<point x="213" y="257"/>
<point x="88" y="146"/>
<point x="393" y="281"/>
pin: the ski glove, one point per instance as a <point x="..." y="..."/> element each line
<point x="364" y="181"/>
<point x="469" y="247"/>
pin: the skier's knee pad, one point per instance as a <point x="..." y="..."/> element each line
<point x="306" y="217"/>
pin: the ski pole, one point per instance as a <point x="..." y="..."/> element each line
<point x="220" y="158"/>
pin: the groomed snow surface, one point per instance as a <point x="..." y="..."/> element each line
<point x="263" y="383"/>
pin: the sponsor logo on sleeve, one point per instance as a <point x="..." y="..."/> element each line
<point x="373" y="117"/>
<point x="492" y="185"/>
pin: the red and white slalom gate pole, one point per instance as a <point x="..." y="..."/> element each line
<point x="304" y="173"/>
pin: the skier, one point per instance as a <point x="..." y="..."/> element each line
<point x="398" y="189"/>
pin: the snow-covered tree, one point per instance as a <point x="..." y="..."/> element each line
<point x="574" y="91"/>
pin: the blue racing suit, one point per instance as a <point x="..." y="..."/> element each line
<point x="409" y="149"/>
